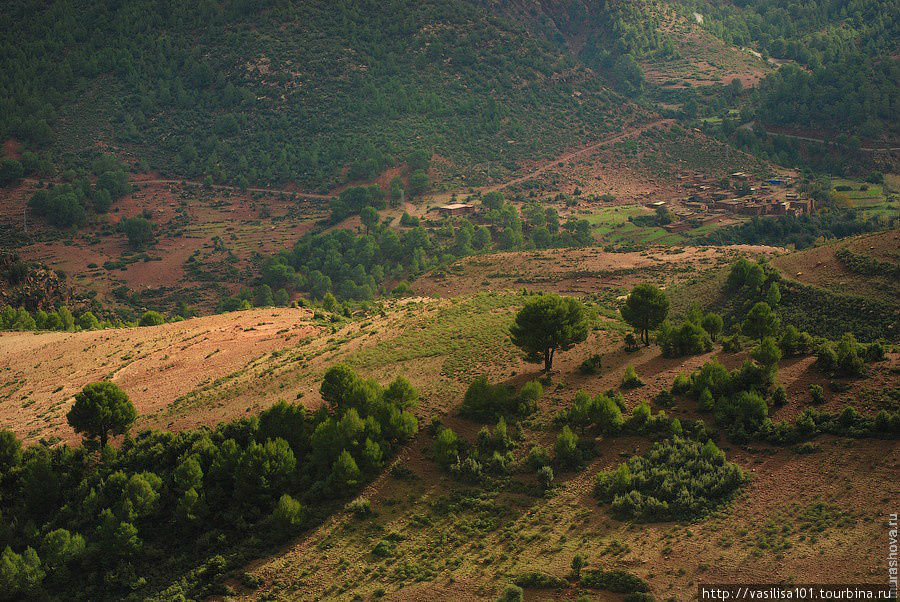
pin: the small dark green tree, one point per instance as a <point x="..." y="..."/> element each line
<point x="418" y="183"/>
<point x="547" y="323"/>
<point x="10" y="451"/>
<point x="369" y="217"/>
<point x="100" y="410"/>
<point x="578" y="563"/>
<point x="761" y="321"/>
<point x="138" y="230"/>
<point x="645" y="309"/>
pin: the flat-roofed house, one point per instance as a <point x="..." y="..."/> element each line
<point x="456" y="209"/>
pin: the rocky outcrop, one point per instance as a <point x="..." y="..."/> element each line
<point x="31" y="285"/>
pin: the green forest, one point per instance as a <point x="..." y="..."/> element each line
<point x="264" y="92"/>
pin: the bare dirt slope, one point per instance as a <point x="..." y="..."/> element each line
<point x="156" y="365"/>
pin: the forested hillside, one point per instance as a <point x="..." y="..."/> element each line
<point x="319" y="93"/>
<point x="845" y="75"/>
<point x="313" y="92"/>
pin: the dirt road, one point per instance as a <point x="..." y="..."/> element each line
<point x="634" y="131"/>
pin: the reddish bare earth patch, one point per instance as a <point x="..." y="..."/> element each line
<point x="155" y="365"/>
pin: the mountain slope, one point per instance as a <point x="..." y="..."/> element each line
<point x="314" y="92"/>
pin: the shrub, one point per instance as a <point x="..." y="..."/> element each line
<point x="665" y="399"/>
<point x="619" y="582"/>
<point x="566" y="449"/>
<point x="826" y="357"/>
<point x="485" y="401"/>
<point x="793" y="342"/>
<point x="591" y="365"/>
<point x="288" y="515"/>
<point x="767" y="353"/>
<point x="512" y="593"/>
<point x="630" y="380"/>
<point x="138" y="230"/>
<point x="529" y="395"/>
<point x="384" y="549"/>
<point x="88" y="321"/>
<point x="545" y="477"/>
<point x="468" y="470"/>
<point x="849" y="361"/>
<point x="676" y="479"/>
<point x="687" y="338"/>
<point x="446" y="448"/>
<point x="817" y="394"/>
<point x="712" y="376"/>
<point x="152" y="318"/>
<point x="360" y="507"/>
<point x="779" y="396"/>
<point x="732" y="344"/>
<point x="681" y="385"/>
<point x="742" y="414"/>
<point x="538" y="457"/>
<point x="706" y="401"/>
<point x="631" y="342"/>
<point x="578" y="563"/>
<point x="539" y="580"/>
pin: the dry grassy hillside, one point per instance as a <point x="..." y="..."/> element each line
<point x="813" y="513"/>
<point x="823" y="266"/>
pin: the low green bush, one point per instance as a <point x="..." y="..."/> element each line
<point x="677" y="479"/>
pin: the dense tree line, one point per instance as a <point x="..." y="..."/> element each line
<point x="12" y="318"/>
<point x="802" y="232"/>
<point x="355" y="266"/>
<point x="97" y="522"/>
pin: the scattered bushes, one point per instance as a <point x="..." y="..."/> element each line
<point x="847" y="357"/>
